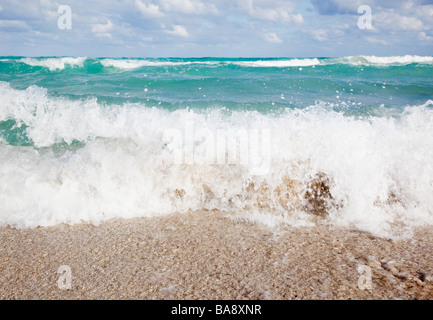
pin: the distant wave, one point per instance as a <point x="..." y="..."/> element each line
<point x="55" y="63"/>
<point x="60" y="63"/>
<point x="384" y="61"/>
<point x="138" y="63"/>
<point x="279" y="63"/>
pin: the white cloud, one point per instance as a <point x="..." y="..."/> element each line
<point x="424" y="37"/>
<point x="178" y="31"/>
<point x="148" y="10"/>
<point x="319" y="34"/>
<point x="335" y="33"/>
<point x="396" y="22"/>
<point x="14" y="24"/>
<point x="220" y="27"/>
<point x="282" y="12"/>
<point x="376" y="41"/>
<point x="425" y="13"/>
<point x="331" y="7"/>
<point x="188" y="6"/>
<point x="297" y="18"/>
<point x="102" y="30"/>
<point x="272" y="38"/>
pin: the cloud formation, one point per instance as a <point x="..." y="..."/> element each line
<point x="217" y="28"/>
<point x="178" y="31"/>
<point x="272" y="38"/>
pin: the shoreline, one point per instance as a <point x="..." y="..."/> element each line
<point x="205" y="255"/>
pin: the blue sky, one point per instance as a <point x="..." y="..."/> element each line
<point x="224" y="28"/>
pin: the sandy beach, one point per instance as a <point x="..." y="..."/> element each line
<point x="206" y="255"/>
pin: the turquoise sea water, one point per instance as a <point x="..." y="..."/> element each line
<point x="353" y="84"/>
<point x="85" y="139"/>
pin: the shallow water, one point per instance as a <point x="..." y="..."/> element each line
<point x="279" y="140"/>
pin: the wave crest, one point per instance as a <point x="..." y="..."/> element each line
<point x="371" y="173"/>
<point x="54" y="64"/>
<point x="58" y="64"/>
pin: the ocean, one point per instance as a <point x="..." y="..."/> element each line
<point x="347" y="141"/>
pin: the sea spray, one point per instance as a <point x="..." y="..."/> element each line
<point x="351" y="144"/>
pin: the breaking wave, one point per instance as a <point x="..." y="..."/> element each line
<point x="69" y="161"/>
<point x="58" y="64"/>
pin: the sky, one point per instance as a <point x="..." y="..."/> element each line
<point x="218" y="28"/>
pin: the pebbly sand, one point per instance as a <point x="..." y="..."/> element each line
<point x="205" y="255"/>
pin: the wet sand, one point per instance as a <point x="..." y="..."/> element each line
<point x="205" y="255"/>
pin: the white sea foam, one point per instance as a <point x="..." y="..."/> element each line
<point x="279" y="63"/>
<point x="61" y="63"/>
<point x="375" y="175"/>
<point x="385" y="61"/>
<point x="127" y="64"/>
<point x="55" y="63"/>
